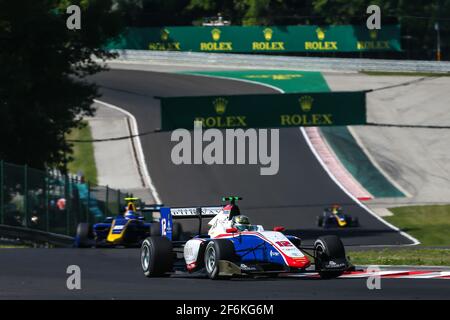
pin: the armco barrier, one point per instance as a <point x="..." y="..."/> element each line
<point x="36" y="236"/>
<point x="253" y="61"/>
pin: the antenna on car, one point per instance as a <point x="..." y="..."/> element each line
<point x="232" y="199"/>
<point x="235" y="211"/>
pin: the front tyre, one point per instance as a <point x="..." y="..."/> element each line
<point x="219" y="249"/>
<point x="329" y="256"/>
<point x="156" y="256"/>
<point x="84" y="237"/>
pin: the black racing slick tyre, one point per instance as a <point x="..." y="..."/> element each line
<point x="155" y="229"/>
<point x="329" y="249"/>
<point x="177" y="232"/>
<point x="156" y="256"/>
<point x="84" y="237"/>
<point x="219" y="249"/>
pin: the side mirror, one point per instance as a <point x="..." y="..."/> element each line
<point x="232" y="230"/>
<point x="279" y="229"/>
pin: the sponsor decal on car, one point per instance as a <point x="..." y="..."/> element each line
<point x="247" y="268"/>
<point x="333" y="265"/>
<point x="274" y="253"/>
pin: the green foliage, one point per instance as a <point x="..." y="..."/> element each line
<point x="256" y="12"/>
<point x="207" y="5"/>
<point x="417" y="17"/>
<point x="43" y="65"/>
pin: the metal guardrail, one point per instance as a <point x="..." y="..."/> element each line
<point x="228" y="60"/>
<point x="35" y="236"/>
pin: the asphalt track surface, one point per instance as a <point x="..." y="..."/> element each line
<point x="292" y="198"/>
<point x="116" y="274"/>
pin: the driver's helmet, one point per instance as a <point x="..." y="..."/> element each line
<point x="336" y="208"/>
<point x="241" y="223"/>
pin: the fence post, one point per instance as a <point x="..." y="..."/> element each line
<point x="2" y="190"/>
<point x="66" y="196"/>
<point x="25" y="194"/>
<point x="107" y="201"/>
<point x="88" y="201"/>
<point x="47" y="204"/>
<point x="118" y="201"/>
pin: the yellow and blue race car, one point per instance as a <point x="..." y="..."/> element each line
<point x="334" y="216"/>
<point x="127" y="229"/>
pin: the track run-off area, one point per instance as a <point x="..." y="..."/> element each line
<point x="292" y="198"/>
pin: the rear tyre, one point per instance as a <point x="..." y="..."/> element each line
<point x="156" y="256"/>
<point x="326" y="249"/>
<point x="219" y="249"/>
<point x="177" y="232"/>
<point x="155" y="230"/>
<point x="84" y="237"/>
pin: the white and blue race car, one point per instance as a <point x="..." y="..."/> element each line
<point x="234" y="247"/>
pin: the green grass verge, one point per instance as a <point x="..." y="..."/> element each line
<point x="430" y="257"/>
<point x="410" y="74"/>
<point x="83" y="154"/>
<point x="11" y="246"/>
<point x="429" y="224"/>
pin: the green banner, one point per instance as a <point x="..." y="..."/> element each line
<point x="264" y="110"/>
<point x="260" y="39"/>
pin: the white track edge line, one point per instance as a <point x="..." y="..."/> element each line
<point x="193" y="73"/>
<point x="141" y="158"/>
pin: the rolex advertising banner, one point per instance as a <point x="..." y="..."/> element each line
<point x="260" y="39"/>
<point x="264" y="110"/>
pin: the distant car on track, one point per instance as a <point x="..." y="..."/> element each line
<point x="234" y="247"/>
<point x="128" y="229"/>
<point x="334" y="216"/>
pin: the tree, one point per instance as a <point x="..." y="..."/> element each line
<point x="417" y="18"/>
<point x="43" y="68"/>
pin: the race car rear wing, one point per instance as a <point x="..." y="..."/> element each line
<point x="169" y="214"/>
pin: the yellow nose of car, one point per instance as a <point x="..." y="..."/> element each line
<point x="116" y="233"/>
<point x="341" y="222"/>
